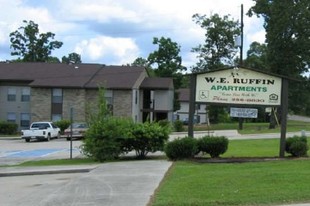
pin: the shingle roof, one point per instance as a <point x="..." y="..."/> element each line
<point x="183" y="94"/>
<point x="77" y="75"/>
<point x="157" y="83"/>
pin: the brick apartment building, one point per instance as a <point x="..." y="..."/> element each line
<point x="47" y="92"/>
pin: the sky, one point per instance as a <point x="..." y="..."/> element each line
<point x="116" y="32"/>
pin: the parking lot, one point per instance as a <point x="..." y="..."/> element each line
<point x="16" y="150"/>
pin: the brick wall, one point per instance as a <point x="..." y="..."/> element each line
<point x="74" y="98"/>
<point x="40" y="102"/>
<point x="122" y="103"/>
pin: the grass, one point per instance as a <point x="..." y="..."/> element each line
<point x="263" y="183"/>
<point x="225" y="184"/>
<point x="253" y="148"/>
<point x="59" y="162"/>
<point x="254" y="128"/>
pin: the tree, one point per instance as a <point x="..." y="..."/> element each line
<point x="287" y="25"/>
<point x="168" y="63"/>
<point x="73" y="58"/>
<point x="218" y="49"/>
<point x="32" y="46"/>
<point x="141" y="62"/>
<point x="167" y="60"/>
<point x="257" y="56"/>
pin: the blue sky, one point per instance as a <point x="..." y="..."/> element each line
<point x="115" y="32"/>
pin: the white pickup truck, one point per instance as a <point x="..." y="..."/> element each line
<point x="41" y="131"/>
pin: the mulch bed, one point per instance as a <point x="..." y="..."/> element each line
<point x="243" y="159"/>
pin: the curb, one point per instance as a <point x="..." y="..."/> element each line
<point x="46" y="172"/>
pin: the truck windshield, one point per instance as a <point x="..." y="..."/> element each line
<point x="40" y="126"/>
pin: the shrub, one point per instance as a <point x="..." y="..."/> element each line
<point x="63" y="124"/>
<point x="181" y="148"/>
<point x="164" y="123"/>
<point x="215" y="146"/>
<point x="178" y="126"/>
<point x="104" y="139"/>
<point x="296" y="146"/>
<point x="147" y="137"/>
<point x="8" y="128"/>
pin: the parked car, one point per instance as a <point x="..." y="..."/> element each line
<point x="78" y="131"/>
<point x="41" y="131"/>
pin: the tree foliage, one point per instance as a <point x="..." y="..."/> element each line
<point x="257" y="57"/>
<point x="287" y="25"/>
<point x="168" y="63"/>
<point x="167" y="60"/>
<point x="72" y="58"/>
<point x="31" y="45"/>
<point x="141" y="62"/>
<point x="218" y="50"/>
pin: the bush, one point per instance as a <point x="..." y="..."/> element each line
<point x="8" y="128"/>
<point x="147" y="137"/>
<point x="296" y="146"/>
<point x="104" y="139"/>
<point x="181" y="148"/>
<point x="215" y="146"/>
<point x="63" y="124"/>
<point x="178" y="126"/>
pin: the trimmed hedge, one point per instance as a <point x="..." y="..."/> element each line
<point x="8" y="128"/>
<point x="181" y="148"/>
<point x="297" y="146"/>
<point x="215" y="146"/>
<point x="188" y="147"/>
<point x="178" y="126"/>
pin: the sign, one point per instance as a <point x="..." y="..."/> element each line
<point x="243" y="112"/>
<point x="238" y="86"/>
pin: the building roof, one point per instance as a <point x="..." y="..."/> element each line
<point x="75" y="75"/>
<point x="157" y="83"/>
<point x="183" y="95"/>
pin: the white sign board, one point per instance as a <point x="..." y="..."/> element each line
<point x="243" y="112"/>
<point x="238" y="86"/>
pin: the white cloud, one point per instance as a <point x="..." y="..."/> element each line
<point x="103" y="48"/>
<point x="118" y="31"/>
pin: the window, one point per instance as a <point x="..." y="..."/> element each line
<point x="12" y="94"/>
<point x="11" y="117"/>
<point x="24" y="119"/>
<point x="25" y="95"/>
<point x="56" y="117"/>
<point x="57" y="96"/>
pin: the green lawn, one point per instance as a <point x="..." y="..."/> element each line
<point x="76" y="161"/>
<point x="252" y="183"/>
<point x="254" y="128"/>
<point x="263" y="183"/>
<point x="253" y="148"/>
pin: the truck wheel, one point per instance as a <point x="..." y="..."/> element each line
<point x="48" y="137"/>
<point x="27" y="140"/>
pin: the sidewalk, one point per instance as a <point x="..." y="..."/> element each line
<point x="117" y="183"/>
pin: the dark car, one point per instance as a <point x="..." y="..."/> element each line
<point x="78" y="131"/>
